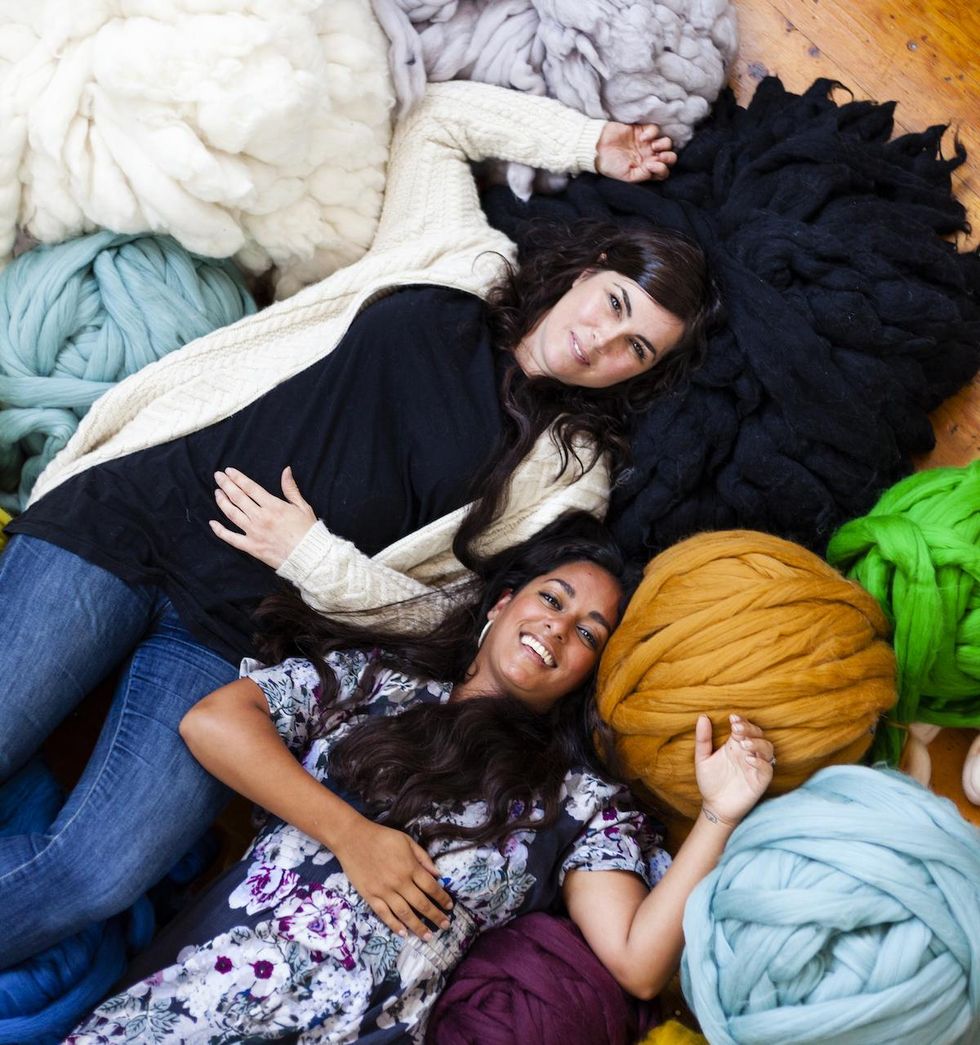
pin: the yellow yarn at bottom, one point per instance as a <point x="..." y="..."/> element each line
<point x="744" y="622"/>
<point x="5" y="518"/>
<point x="673" y="1033"/>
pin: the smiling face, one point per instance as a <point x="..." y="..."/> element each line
<point x="603" y="330"/>
<point x="546" y="638"/>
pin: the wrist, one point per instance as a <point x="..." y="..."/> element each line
<point x="344" y="829"/>
<point x="717" y="819"/>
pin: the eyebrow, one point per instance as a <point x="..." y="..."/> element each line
<point x="629" y="315"/>
<point x="570" y="592"/>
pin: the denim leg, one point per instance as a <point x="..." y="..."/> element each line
<point x="64" y="625"/>
<point x="140" y="804"/>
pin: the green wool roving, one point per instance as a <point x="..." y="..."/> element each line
<point x="918" y="552"/>
<point x="78" y="317"/>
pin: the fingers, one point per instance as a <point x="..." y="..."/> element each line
<point x="231" y="511"/>
<point x="236" y="540"/>
<point x="290" y="490"/>
<point x="702" y="739"/>
<point x="751" y="743"/>
<point x="403" y="912"/>
<point x="240" y="488"/>
<point x="399" y="918"/>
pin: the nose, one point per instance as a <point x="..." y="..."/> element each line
<point x="557" y="627"/>
<point x="601" y="339"/>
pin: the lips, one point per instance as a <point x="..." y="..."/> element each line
<point x="539" y="649"/>
<point x="577" y="352"/>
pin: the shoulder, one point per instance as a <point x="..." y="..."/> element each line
<point x="421" y="308"/>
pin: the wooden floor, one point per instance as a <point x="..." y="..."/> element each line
<point x="924" y="54"/>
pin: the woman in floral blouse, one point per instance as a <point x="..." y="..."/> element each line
<point x="421" y="793"/>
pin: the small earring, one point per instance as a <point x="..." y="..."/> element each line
<point x="483" y="634"/>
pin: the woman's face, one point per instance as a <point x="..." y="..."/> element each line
<point x="545" y="638"/>
<point x="603" y="330"/>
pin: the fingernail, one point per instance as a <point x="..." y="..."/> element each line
<point x="444" y="924"/>
<point x="737" y="727"/>
<point x="427" y="936"/>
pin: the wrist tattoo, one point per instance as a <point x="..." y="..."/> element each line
<point x="714" y="818"/>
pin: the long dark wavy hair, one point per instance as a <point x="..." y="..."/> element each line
<point x="669" y="266"/>
<point x="491" y="748"/>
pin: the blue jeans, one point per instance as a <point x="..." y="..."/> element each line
<point x="143" y="800"/>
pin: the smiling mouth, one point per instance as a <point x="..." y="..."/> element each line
<point x="577" y="351"/>
<point x="539" y="649"/>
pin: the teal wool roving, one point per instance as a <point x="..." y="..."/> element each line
<point x="847" y="911"/>
<point x="78" y="317"/>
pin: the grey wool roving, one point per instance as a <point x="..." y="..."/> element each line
<point x="636" y="61"/>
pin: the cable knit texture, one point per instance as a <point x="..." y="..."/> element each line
<point x="258" y="128"/>
<point x="432" y="231"/>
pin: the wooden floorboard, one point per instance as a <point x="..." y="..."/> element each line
<point x="925" y="55"/>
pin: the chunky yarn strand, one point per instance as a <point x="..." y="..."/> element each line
<point x="745" y="622"/>
<point x="78" y="317"/>
<point x="849" y="315"/>
<point x="918" y="552"/>
<point x="847" y="912"/>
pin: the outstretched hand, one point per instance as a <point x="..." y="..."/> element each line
<point x="396" y="877"/>
<point x="733" y="778"/>
<point x="634" y="152"/>
<point x="271" y="527"/>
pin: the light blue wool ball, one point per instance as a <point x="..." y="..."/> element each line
<point x="847" y="911"/>
<point x="77" y="317"/>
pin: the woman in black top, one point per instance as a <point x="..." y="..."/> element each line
<point x="117" y="566"/>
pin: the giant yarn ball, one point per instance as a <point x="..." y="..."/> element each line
<point x="743" y="622"/>
<point x="847" y="912"/>
<point x="78" y="317"/>
<point x="535" y="979"/>
<point x="918" y="552"/>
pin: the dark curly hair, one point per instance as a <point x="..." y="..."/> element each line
<point x="669" y="266"/>
<point x="492" y="748"/>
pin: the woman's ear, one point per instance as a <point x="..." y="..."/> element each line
<point x="495" y="609"/>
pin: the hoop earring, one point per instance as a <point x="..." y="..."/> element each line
<point x="483" y="634"/>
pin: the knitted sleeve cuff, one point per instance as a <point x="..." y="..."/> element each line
<point x="317" y="543"/>
<point x="333" y="575"/>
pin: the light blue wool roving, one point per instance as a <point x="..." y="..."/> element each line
<point x="78" y="317"/>
<point x="847" y="911"/>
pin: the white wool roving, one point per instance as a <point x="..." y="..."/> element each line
<point x="635" y="61"/>
<point x="253" y="128"/>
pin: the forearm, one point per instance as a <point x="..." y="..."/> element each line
<point x="655" y="939"/>
<point x="231" y="734"/>
<point x="637" y="934"/>
<point x="430" y="185"/>
<point x="334" y="576"/>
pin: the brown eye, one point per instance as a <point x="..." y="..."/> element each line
<point x="588" y="637"/>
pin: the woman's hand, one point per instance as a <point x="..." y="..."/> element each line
<point x="733" y="778"/>
<point x="634" y="152"/>
<point x="396" y="877"/>
<point x="271" y="527"/>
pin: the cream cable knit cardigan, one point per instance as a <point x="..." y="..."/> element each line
<point x="432" y="231"/>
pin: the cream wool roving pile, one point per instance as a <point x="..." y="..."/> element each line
<point x="250" y="128"/>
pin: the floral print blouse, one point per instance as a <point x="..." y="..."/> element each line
<point x="292" y="951"/>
